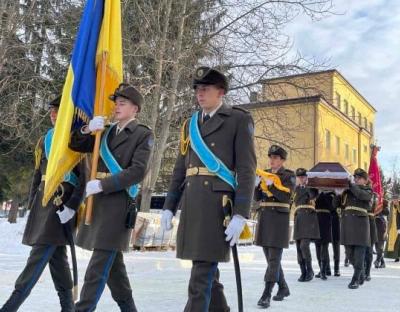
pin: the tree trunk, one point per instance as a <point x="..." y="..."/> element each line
<point x="13" y="213"/>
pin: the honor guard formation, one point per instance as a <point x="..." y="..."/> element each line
<point x="214" y="183"/>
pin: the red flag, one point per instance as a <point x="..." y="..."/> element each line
<point x="375" y="178"/>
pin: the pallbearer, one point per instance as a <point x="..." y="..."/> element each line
<point x="381" y="227"/>
<point x="356" y="237"/>
<point x="306" y="227"/>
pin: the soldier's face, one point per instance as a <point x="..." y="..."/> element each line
<point x="53" y="115"/>
<point x="301" y="180"/>
<point x="275" y="161"/>
<point x="208" y="96"/>
<point x="360" y="180"/>
<point x="124" y="109"/>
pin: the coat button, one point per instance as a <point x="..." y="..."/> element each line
<point x="188" y="184"/>
<point x="212" y="144"/>
<point x="205" y="182"/>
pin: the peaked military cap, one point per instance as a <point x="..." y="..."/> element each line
<point x="277" y="150"/>
<point x="55" y="102"/>
<point x="128" y="92"/>
<point x="301" y="172"/>
<point x="361" y="173"/>
<point x="210" y="76"/>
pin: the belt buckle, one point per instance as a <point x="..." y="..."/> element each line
<point x="198" y="171"/>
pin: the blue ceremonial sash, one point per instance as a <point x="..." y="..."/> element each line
<point x="69" y="177"/>
<point x="212" y="162"/>
<point x="112" y="163"/>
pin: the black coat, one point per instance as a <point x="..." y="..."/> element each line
<point x="305" y="219"/>
<point x="273" y="222"/>
<point x="325" y="208"/>
<point x="43" y="226"/>
<point x="355" y="225"/>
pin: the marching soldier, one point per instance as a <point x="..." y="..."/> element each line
<point x="393" y="243"/>
<point x="125" y="150"/>
<point x="381" y="227"/>
<point x="216" y="163"/>
<point x="324" y="205"/>
<point x="356" y="202"/>
<point x="273" y="222"/>
<point x="48" y="228"/>
<point x="306" y="227"/>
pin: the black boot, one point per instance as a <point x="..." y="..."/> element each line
<point x="377" y="262"/>
<point x="127" y="306"/>
<point x="336" y="268"/>
<point x="13" y="303"/>
<point x="265" y="299"/>
<point x="354" y="284"/>
<point x="382" y="264"/>
<point x="323" y="271"/>
<point x="66" y="301"/>
<point x="309" y="272"/>
<point x="283" y="291"/>
<point x="303" y="272"/>
<point x="346" y="262"/>
<point x="318" y="275"/>
<point x="328" y="269"/>
<point x="361" y="278"/>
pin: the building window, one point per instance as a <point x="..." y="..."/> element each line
<point x="346" y="107"/>
<point x="365" y="123"/>
<point x="359" y="118"/>
<point x="354" y="155"/>
<point x="365" y="149"/>
<point x="365" y="166"/>
<point x="337" y="145"/>
<point x="347" y="151"/>
<point x="371" y="128"/>
<point x="353" y="113"/>
<point x="338" y="104"/>
<point x="328" y="139"/>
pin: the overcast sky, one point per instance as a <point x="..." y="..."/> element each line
<point x="363" y="43"/>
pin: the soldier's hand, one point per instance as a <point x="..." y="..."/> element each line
<point x="258" y="180"/>
<point x="66" y="214"/>
<point x="96" y="124"/>
<point x="234" y="229"/>
<point x="269" y="182"/>
<point x="166" y="220"/>
<point x="93" y="187"/>
<point x="398" y="231"/>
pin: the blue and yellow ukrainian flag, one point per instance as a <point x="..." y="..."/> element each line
<point x="99" y="39"/>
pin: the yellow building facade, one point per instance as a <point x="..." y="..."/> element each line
<point x="317" y="117"/>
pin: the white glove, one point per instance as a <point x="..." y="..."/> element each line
<point x="166" y="220"/>
<point x="258" y="180"/>
<point x="351" y="179"/>
<point x="234" y="229"/>
<point x="66" y="214"/>
<point x="268" y="182"/>
<point x="96" y="124"/>
<point x="93" y="187"/>
<point x="398" y="231"/>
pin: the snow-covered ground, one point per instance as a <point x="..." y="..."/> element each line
<point x="159" y="282"/>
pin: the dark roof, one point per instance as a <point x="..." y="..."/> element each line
<point x="309" y="99"/>
<point x="328" y="166"/>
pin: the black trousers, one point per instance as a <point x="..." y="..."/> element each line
<point x="206" y="293"/>
<point x="303" y="250"/>
<point x="356" y="256"/>
<point x="274" y="272"/>
<point x="105" y="267"/>
<point x="322" y="252"/>
<point x="336" y="250"/>
<point x="39" y="257"/>
<point x="379" y="247"/>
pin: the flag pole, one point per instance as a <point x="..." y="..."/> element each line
<point x="96" y="149"/>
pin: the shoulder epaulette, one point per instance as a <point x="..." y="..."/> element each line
<point x="145" y="126"/>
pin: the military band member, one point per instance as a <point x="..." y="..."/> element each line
<point x="125" y="150"/>
<point x="46" y="228"/>
<point x="273" y="223"/>
<point x="324" y="205"/>
<point x="306" y="227"/>
<point x="356" y="204"/>
<point x="381" y="227"/>
<point x="198" y="186"/>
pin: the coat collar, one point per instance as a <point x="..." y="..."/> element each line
<point x="117" y="140"/>
<point x="216" y="121"/>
